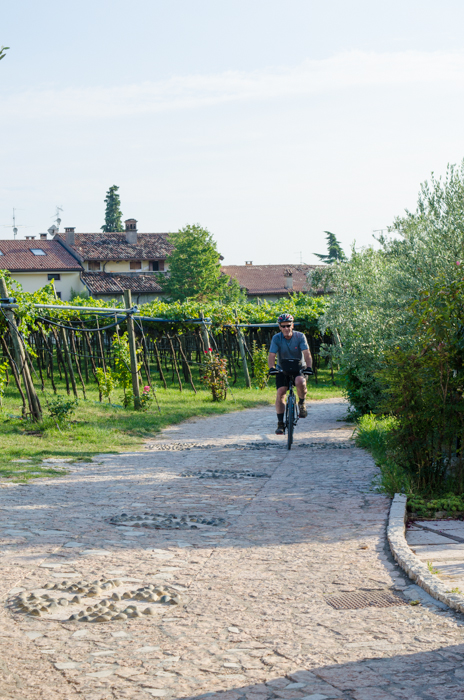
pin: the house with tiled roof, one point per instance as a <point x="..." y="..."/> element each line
<point x="33" y="263"/>
<point x="111" y="285"/>
<point x="113" y="262"/>
<point x="129" y="251"/>
<point x="270" y="282"/>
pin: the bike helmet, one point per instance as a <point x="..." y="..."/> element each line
<point x="285" y="317"/>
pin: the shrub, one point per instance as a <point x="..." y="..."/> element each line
<point x="106" y="382"/>
<point x="123" y="373"/>
<point x="260" y="366"/>
<point x="146" y="398"/>
<point x="61" y="409"/>
<point x="215" y="374"/>
<point x="3" y="379"/>
<point x="449" y="504"/>
<point x="424" y="389"/>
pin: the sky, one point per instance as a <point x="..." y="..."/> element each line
<point x="266" y="122"/>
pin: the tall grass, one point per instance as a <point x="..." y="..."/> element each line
<point x="374" y="435"/>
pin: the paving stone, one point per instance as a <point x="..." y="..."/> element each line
<point x="253" y="623"/>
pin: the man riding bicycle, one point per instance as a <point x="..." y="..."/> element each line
<point x="287" y="345"/>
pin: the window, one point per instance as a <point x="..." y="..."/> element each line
<point x="38" y="251"/>
<point x="1" y="252"/>
<point x="94" y="265"/>
<point x="154" y="265"/>
<point x="135" y="265"/>
<point x="51" y="277"/>
<point x="58" y="294"/>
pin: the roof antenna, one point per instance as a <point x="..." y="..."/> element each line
<point x="300" y="253"/>
<point x="56" y="218"/>
<point x="14" y="226"/>
<point x="54" y="228"/>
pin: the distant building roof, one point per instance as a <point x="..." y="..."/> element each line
<point x="113" y="246"/>
<point x="112" y="283"/>
<point x="269" y="279"/>
<point x="49" y="256"/>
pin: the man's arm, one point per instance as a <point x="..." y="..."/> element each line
<point x="271" y="360"/>
<point x="308" y="358"/>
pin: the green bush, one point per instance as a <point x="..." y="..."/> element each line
<point x="449" y="504"/>
<point x="260" y="366"/>
<point x="214" y="375"/>
<point x="424" y="389"/>
<point x="61" y="409"/>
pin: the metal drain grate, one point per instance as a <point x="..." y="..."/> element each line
<point x="368" y="599"/>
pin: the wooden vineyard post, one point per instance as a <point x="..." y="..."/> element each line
<point x="20" y="358"/>
<point x="241" y="346"/>
<point x="204" y="332"/>
<point x="15" y="374"/>
<point x="67" y="356"/>
<point x="132" y="350"/>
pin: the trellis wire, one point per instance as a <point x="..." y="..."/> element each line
<point x="163" y="341"/>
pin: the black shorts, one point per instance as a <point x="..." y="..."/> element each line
<point x="282" y="380"/>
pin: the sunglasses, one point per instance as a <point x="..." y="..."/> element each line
<point x="285" y="325"/>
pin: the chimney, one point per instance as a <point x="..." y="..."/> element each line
<point x="131" y="231"/>
<point x="43" y="236"/>
<point x="70" y="234"/>
<point x="30" y="238"/>
<point x="288" y="279"/>
<point x="248" y="262"/>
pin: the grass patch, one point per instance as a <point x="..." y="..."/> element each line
<point x="374" y="435"/>
<point x="100" y="428"/>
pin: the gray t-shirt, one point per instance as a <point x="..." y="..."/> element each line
<point x="291" y="349"/>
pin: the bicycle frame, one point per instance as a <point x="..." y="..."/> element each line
<point x="291" y="410"/>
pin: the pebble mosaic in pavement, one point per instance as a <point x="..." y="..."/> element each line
<point x="252" y="622"/>
<point x="226" y="474"/>
<point x="167" y="521"/>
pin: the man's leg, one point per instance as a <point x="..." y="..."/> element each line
<point x="300" y="383"/>
<point x="280" y="408"/>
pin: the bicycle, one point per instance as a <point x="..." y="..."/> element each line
<point x="291" y="368"/>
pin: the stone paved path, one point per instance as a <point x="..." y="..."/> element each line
<point x="435" y="545"/>
<point x="255" y="622"/>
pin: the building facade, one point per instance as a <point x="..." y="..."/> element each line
<point x="34" y="263"/>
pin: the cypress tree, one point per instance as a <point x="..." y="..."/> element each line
<point x="335" y="251"/>
<point x="113" y="212"/>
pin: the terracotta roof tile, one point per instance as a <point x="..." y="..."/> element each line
<point x="113" y="246"/>
<point x="269" y="279"/>
<point x="112" y="283"/>
<point x="17" y="256"/>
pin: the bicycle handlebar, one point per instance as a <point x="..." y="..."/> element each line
<point x="306" y="370"/>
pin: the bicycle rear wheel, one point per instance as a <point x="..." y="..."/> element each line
<point x="290" y="420"/>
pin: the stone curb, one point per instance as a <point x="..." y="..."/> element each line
<point x="408" y="561"/>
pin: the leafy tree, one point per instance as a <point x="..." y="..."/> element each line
<point x="113" y="212"/>
<point x="334" y="248"/>
<point x="374" y="290"/>
<point x="194" y="267"/>
<point x="2" y="51"/>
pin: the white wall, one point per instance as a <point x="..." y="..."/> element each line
<point x="33" y="281"/>
<point x="121" y="266"/>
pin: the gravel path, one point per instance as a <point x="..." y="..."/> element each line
<point x="253" y="561"/>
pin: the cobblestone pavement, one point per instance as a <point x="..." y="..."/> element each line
<point x="254" y="622"/>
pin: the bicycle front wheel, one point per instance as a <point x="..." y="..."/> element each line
<point x="290" y="420"/>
